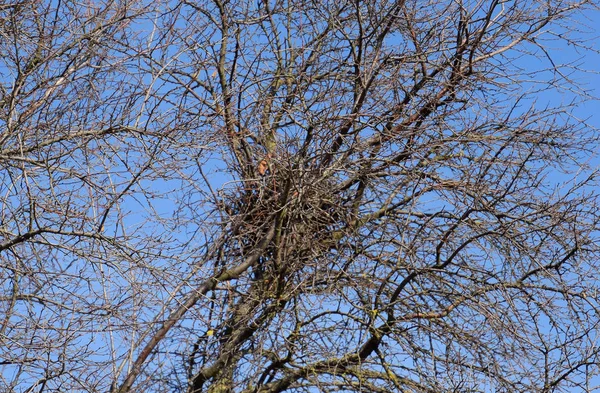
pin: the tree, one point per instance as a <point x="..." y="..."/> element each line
<point x="356" y="196"/>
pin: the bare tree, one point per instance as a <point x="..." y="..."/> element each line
<point x="356" y="196"/>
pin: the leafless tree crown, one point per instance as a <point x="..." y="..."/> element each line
<point x="297" y="195"/>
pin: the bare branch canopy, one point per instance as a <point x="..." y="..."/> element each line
<point x="298" y="196"/>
